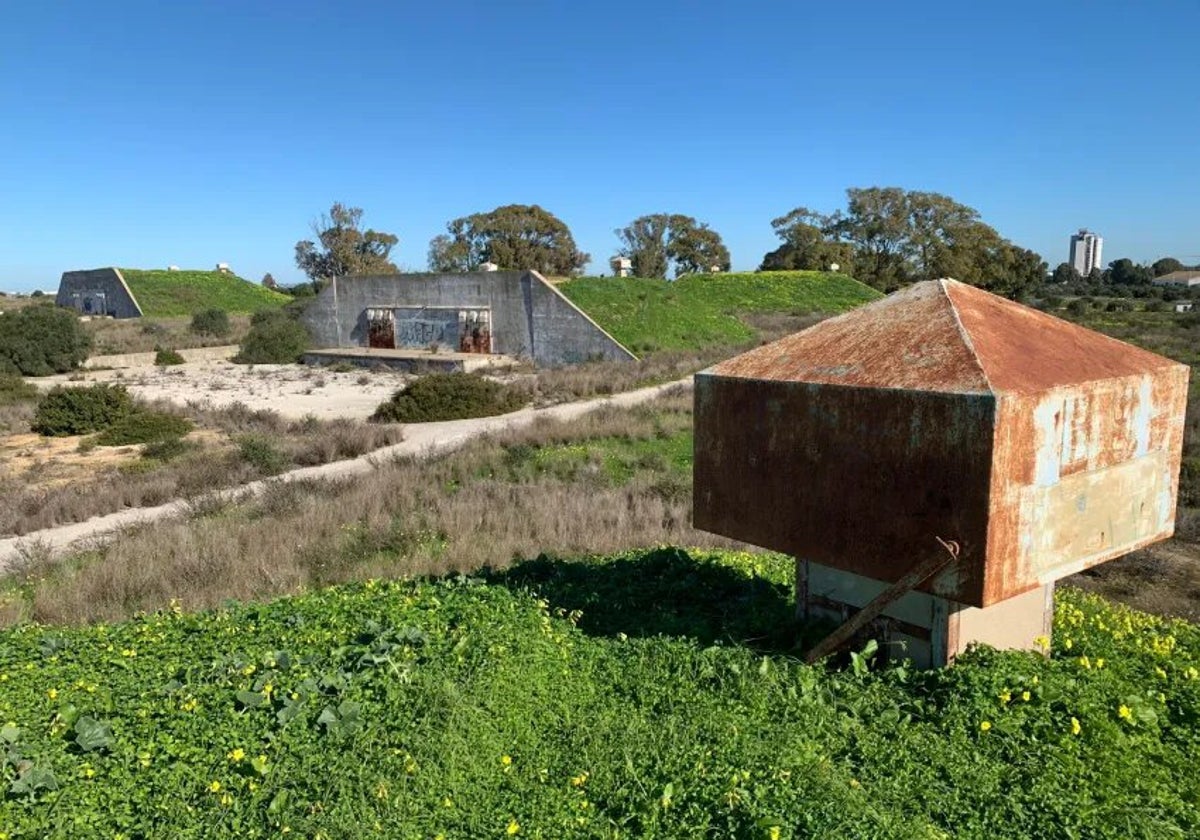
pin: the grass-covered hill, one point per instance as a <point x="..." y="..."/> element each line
<point x="649" y="695"/>
<point x="165" y="294"/>
<point x="702" y="309"/>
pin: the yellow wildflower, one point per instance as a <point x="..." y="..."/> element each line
<point x="1005" y="696"/>
<point x="52" y="694"/>
<point x="1125" y="713"/>
<point x="236" y="755"/>
<point x="214" y="786"/>
<point x="773" y="833"/>
<point x="1043" y="642"/>
<point x="513" y="828"/>
<point x="1085" y="663"/>
<point x="1075" y="727"/>
<point x="1099" y="661"/>
<point x="985" y="725"/>
<point x="226" y="799"/>
<point x="580" y="780"/>
<point x="1025" y="695"/>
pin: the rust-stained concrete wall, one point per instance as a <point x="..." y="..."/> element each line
<point x="529" y="317"/>
<point x="97" y="291"/>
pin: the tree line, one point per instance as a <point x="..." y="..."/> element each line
<point x="886" y="237"/>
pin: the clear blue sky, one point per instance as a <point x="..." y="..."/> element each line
<point x="149" y="133"/>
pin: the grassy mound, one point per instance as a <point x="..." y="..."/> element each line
<point x="702" y="309"/>
<point x="164" y="294"/>
<point x="622" y="697"/>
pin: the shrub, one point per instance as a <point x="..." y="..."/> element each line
<point x="81" y="410"/>
<point x="144" y="427"/>
<point x="154" y="328"/>
<point x="167" y="450"/>
<point x="41" y="340"/>
<point x="1079" y="306"/>
<point x="1119" y="306"/>
<point x="164" y="356"/>
<point x="211" y="322"/>
<point x="261" y="453"/>
<point x="14" y="389"/>
<point x="448" y="396"/>
<point x="274" y="338"/>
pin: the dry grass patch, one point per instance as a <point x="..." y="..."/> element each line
<point x="112" y="336"/>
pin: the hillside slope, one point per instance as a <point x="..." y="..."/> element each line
<point x="702" y="309"/>
<point x="164" y="294"/>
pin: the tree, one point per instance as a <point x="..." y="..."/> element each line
<point x="269" y="281"/>
<point x="342" y="249"/>
<point x="515" y="236"/>
<point x="807" y="244"/>
<point x="660" y="242"/>
<point x="1124" y="272"/>
<point x="889" y="237"/>
<point x="1066" y="273"/>
<point x="1166" y="265"/>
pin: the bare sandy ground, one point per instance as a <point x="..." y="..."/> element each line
<point x="295" y="391"/>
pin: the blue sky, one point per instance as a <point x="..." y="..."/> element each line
<point x="149" y="133"/>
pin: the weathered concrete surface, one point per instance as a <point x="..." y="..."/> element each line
<point x="409" y="361"/>
<point x="1041" y="447"/>
<point x="97" y="291"/>
<point x="529" y="317"/>
<point x="422" y="440"/>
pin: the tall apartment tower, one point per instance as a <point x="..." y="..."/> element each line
<point x="1085" y="251"/>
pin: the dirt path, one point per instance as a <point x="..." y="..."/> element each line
<point x="421" y="440"/>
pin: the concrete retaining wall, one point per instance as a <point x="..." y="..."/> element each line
<point x="529" y="317"/>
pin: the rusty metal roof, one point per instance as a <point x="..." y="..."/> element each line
<point x="947" y="337"/>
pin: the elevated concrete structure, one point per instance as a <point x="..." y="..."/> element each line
<point x="97" y="291"/>
<point x="512" y="313"/>
<point x="1038" y="447"/>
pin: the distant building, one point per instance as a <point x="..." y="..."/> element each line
<point x="1188" y="277"/>
<point x="621" y="266"/>
<point x="1085" y="251"/>
<point x="1183" y="307"/>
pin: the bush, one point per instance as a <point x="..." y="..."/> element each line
<point x="1119" y="306"/>
<point x="14" y="389"/>
<point x="261" y="453"/>
<point x="41" y="340"/>
<point x="81" y="410"/>
<point x="448" y="396"/>
<point x="164" y="356"/>
<point x="211" y="322"/>
<point x="1079" y="306"/>
<point x="144" y="427"/>
<point x="167" y="450"/>
<point x="274" y="338"/>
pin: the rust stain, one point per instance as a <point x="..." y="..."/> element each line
<point x="943" y="411"/>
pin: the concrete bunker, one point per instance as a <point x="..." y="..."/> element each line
<point x="939" y="458"/>
<point x="511" y="313"/>
<point x="97" y="291"/>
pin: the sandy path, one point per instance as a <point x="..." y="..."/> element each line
<point x="421" y="440"/>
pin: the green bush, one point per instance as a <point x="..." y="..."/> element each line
<point x="274" y="338"/>
<point x="41" y="340"/>
<point x="14" y="389"/>
<point x="1119" y="306"/>
<point x="1079" y="306"/>
<point x="164" y="356"/>
<point x="167" y="450"/>
<point x="81" y="410"/>
<point x="448" y="396"/>
<point x="144" y="427"/>
<point x="261" y="453"/>
<point x="211" y="322"/>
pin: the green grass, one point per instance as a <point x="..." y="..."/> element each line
<point x="651" y="694"/>
<point x="165" y="294"/>
<point x="702" y="309"/>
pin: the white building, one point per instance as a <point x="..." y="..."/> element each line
<point x="1085" y="252"/>
<point x="1187" y="277"/>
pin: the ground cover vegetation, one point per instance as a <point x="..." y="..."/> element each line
<point x="702" y="310"/>
<point x="167" y="452"/>
<point x="213" y="322"/>
<point x="115" y="336"/>
<point x="171" y="294"/>
<point x="41" y="340"/>
<point x="648" y="694"/>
